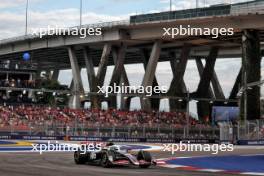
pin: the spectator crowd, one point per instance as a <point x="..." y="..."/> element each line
<point x="22" y="116"/>
<point x="18" y="83"/>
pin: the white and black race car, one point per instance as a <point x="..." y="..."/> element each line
<point x="112" y="155"/>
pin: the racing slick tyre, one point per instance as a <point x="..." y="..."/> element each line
<point x="146" y="156"/>
<point x="105" y="162"/>
<point x="79" y="158"/>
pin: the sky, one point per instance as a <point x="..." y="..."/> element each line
<point x="65" y="13"/>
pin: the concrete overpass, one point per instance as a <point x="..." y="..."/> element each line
<point x="125" y="43"/>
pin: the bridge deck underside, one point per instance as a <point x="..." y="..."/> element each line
<point x="50" y="58"/>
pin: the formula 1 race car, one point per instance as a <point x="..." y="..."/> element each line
<point x="112" y="155"/>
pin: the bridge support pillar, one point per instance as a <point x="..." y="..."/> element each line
<point x="155" y="103"/>
<point x="251" y="65"/>
<point x="237" y="85"/>
<point x="125" y="101"/>
<point x="203" y="90"/>
<point x="119" y="70"/>
<point x="150" y="73"/>
<point x="102" y="68"/>
<point x="120" y="76"/>
<point x="72" y="83"/>
<point x="178" y="87"/>
<point x="103" y="64"/>
<point x="77" y="91"/>
<point x="91" y="78"/>
<point x="210" y="93"/>
<point x="218" y="91"/>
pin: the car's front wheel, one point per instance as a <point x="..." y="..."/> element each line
<point x="146" y="156"/>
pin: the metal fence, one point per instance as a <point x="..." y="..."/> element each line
<point x="224" y="131"/>
<point x="248" y="7"/>
<point x="81" y="129"/>
<point x="182" y="14"/>
<point x="249" y="130"/>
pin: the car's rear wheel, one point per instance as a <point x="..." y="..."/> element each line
<point x="146" y="156"/>
<point x="105" y="161"/>
<point x="79" y="158"/>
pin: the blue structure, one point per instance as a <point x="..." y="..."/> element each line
<point x="26" y="56"/>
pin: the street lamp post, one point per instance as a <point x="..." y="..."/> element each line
<point x="81" y="6"/>
<point x="241" y="92"/>
<point x="26" y="27"/>
<point x="170" y="14"/>
<point x="245" y="103"/>
<point x="188" y="114"/>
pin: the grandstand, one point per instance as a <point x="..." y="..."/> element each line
<point x="139" y="40"/>
<point x="53" y="121"/>
<point x="18" y="75"/>
<point x="23" y="111"/>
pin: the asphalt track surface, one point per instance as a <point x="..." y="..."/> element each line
<point x="62" y="164"/>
